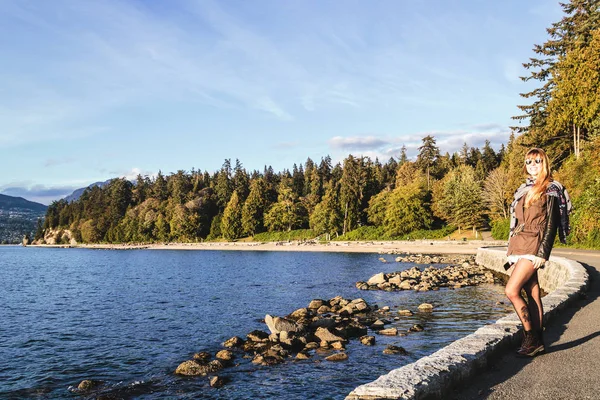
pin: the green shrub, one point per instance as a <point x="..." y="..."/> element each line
<point x="501" y="229"/>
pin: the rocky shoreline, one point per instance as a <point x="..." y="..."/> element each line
<point x="321" y="330"/>
<point x="465" y="273"/>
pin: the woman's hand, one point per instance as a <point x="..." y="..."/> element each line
<point x="538" y="262"/>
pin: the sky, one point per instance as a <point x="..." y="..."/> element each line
<point x="99" y="89"/>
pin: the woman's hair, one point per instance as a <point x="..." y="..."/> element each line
<point x="543" y="179"/>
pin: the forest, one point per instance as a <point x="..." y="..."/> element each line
<point x="363" y="199"/>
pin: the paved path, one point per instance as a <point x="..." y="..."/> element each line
<point x="570" y="368"/>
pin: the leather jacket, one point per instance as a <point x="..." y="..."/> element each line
<point x="552" y="221"/>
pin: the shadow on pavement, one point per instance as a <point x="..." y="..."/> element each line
<point x="509" y="364"/>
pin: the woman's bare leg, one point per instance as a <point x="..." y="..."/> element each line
<point x="534" y="305"/>
<point x="522" y="272"/>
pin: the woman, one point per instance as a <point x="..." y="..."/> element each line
<point x="536" y="215"/>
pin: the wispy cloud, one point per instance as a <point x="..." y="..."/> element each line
<point x="38" y="193"/>
<point x="357" y="143"/>
<point x="447" y="141"/>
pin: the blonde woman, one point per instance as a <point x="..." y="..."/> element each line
<point x="540" y="208"/>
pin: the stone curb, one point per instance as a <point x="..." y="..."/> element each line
<point x="431" y="377"/>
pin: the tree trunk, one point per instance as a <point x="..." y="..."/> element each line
<point x="574" y="140"/>
<point x="578" y="141"/>
<point x="345" y="219"/>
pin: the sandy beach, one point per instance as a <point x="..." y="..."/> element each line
<point x="381" y="247"/>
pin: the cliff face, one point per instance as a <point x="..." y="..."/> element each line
<point x="57" y="236"/>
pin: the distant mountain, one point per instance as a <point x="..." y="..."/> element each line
<point x="18" y="217"/>
<point x="77" y="193"/>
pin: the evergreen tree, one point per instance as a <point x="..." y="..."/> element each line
<point x="159" y="188"/>
<point x="573" y="31"/>
<point x="141" y="191"/>
<point x="327" y="217"/>
<point x="298" y="180"/>
<point x="287" y="213"/>
<point x="179" y="187"/>
<point x="241" y="181"/>
<point x="352" y="187"/>
<point x="223" y="185"/>
<point x="428" y="156"/>
<point x="388" y="173"/>
<point x="231" y="224"/>
<point x="254" y="208"/>
<point x="489" y="157"/>
<point x="403" y="157"/>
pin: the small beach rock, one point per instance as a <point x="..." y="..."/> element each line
<point x="258" y="336"/>
<point x="391" y="349"/>
<point x="302" y="356"/>
<point x="323" y="309"/>
<point x="218" y="381"/>
<point x="338" y="346"/>
<point x="203" y="357"/>
<point x="376" y="279"/>
<point x="300" y="313"/>
<point x="315" y="304"/>
<point x="193" y="368"/>
<point x="326" y="335"/>
<point x="368" y="340"/>
<point x="337" y="357"/>
<point x="225" y="355"/>
<point x="389" y="332"/>
<point x="425" y="307"/>
<point x="278" y="324"/>
<point x="416" y="328"/>
<point x="234" y="342"/>
<point x="405" y="313"/>
<point x="88" y="384"/>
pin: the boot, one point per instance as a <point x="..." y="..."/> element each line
<point x="532" y="344"/>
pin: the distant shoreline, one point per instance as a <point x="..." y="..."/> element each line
<point x="381" y="247"/>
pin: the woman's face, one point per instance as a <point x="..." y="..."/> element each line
<point x="534" y="165"/>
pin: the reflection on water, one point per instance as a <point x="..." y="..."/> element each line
<point x="128" y="318"/>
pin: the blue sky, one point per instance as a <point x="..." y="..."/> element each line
<point x="91" y="90"/>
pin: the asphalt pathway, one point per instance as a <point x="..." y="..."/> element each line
<point x="570" y="367"/>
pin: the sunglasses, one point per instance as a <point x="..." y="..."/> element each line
<point x="530" y="161"/>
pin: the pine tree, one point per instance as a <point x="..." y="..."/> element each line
<point x="287" y="213"/>
<point x="254" y="208"/>
<point x="240" y="181"/>
<point x="159" y="188"/>
<point x="231" y="224"/>
<point x="327" y="218"/>
<point x="223" y="185"/>
<point x="574" y="30"/>
<point x="352" y="186"/>
<point x="428" y="157"/>
<point x="489" y="157"/>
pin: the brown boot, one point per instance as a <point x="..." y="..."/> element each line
<point x="532" y="344"/>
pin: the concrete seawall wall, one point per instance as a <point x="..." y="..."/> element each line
<point x="432" y="376"/>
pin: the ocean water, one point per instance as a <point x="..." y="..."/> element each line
<point x="128" y="318"/>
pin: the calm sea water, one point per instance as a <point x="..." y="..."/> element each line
<point x="128" y="318"/>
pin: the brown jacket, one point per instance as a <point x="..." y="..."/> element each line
<point x="536" y="227"/>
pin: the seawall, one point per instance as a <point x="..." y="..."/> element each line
<point x="432" y="376"/>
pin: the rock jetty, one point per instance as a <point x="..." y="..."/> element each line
<point x="466" y="273"/>
<point x="322" y="328"/>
